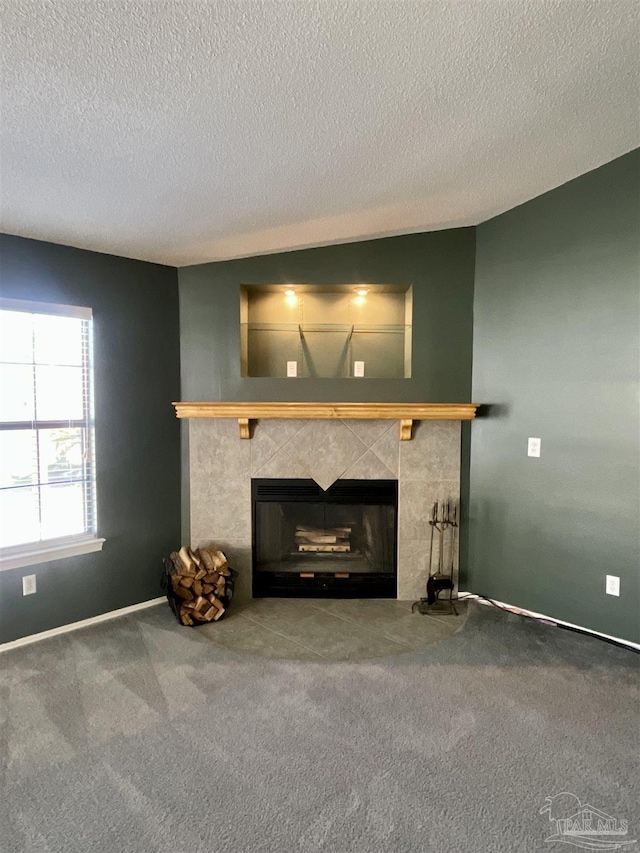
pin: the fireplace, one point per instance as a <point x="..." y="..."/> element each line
<point x="338" y="542"/>
<point x="222" y="466"/>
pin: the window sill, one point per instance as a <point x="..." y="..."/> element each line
<point x="43" y="552"/>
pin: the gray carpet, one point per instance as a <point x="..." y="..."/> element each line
<point x="136" y="736"/>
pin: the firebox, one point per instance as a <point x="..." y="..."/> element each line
<point x="338" y="542"/>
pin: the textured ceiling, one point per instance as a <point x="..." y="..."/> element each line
<point x="183" y="132"/>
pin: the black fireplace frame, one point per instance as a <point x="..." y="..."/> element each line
<point x="324" y="585"/>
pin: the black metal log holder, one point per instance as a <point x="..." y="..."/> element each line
<point x="444" y="522"/>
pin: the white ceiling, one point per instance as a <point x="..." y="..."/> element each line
<point x="184" y="132"/>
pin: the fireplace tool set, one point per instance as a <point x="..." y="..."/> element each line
<point x="444" y="523"/>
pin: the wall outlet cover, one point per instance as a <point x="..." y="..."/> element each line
<point x="28" y="584"/>
<point x="292" y="368"/>
<point x="358" y="368"/>
<point x="612" y="585"/>
<point x="534" y="445"/>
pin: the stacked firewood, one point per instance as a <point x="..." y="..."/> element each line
<point x="199" y="579"/>
<point x="312" y="539"/>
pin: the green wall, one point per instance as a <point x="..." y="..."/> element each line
<point x="556" y="333"/>
<point x="136" y="370"/>
<point x="439" y="265"/>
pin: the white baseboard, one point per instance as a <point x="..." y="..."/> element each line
<point x="83" y="623"/>
<point x="520" y="611"/>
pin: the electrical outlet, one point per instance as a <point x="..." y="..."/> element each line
<point x="292" y="368"/>
<point x="612" y="586"/>
<point x="534" y="446"/>
<point x="358" y="368"/>
<point x="28" y="584"/>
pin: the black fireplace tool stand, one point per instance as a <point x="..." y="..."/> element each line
<point x="444" y="523"/>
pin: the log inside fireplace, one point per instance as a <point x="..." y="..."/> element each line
<point x="339" y="542"/>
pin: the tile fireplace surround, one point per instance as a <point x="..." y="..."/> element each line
<point x="221" y="467"/>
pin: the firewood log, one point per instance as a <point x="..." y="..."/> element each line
<point x="211" y="577"/>
<point x="316" y="538"/>
<point x="340" y="531"/>
<point x="197" y="587"/>
<point x="186" y="581"/>
<point x="184" y="593"/>
<point x="220" y="561"/>
<point x="200" y="574"/>
<point x="204" y="558"/>
<point x="206" y="555"/>
<point x="207" y="588"/>
<point x="201" y="604"/>
<point x="188" y="563"/>
<point x="213" y="558"/>
<point x="199" y="616"/>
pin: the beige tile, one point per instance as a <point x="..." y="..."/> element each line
<point x="345" y="606"/>
<point x="399" y="624"/>
<point x="273" y="612"/>
<point x="240" y="634"/>
<point x="369" y="431"/>
<point x="336" y="639"/>
<point x="433" y="453"/>
<point x="215" y="451"/>
<point x="413" y="568"/>
<point x="262" y="449"/>
<point x="416" y="499"/>
<point x="220" y="497"/>
<point x="281" y="430"/>
<point x="286" y="463"/>
<point x="387" y="448"/>
<point x="329" y="447"/>
<point x="221" y="507"/>
<point x="405" y="603"/>
<point x="368" y="467"/>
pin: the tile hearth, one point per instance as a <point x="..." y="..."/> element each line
<point x="334" y="630"/>
<point x="221" y="467"/>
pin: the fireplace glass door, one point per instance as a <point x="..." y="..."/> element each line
<point x="338" y="542"/>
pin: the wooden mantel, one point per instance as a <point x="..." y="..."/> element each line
<point x="405" y="413"/>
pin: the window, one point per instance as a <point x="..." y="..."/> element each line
<point x="47" y="471"/>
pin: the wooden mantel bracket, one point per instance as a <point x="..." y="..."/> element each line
<point x="406" y="427"/>
<point x="404" y="413"/>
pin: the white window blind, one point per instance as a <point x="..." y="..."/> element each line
<point x="47" y="470"/>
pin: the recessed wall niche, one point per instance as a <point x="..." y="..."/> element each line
<point x="329" y="332"/>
